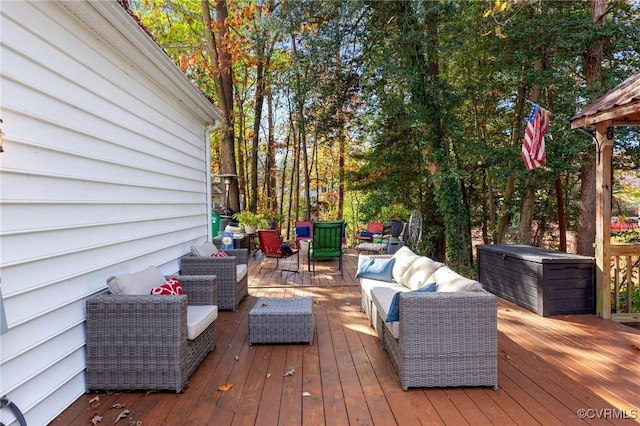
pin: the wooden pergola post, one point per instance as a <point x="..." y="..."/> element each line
<point x="603" y="220"/>
<point x="618" y="107"/>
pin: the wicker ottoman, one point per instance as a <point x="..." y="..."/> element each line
<point x="281" y="320"/>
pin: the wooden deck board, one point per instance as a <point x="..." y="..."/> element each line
<point x="548" y="370"/>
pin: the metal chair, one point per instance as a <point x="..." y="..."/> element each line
<point x="327" y="242"/>
<point x="303" y="231"/>
<point x="271" y="246"/>
<point x="372" y="229"/>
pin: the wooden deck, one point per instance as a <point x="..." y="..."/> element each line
<point x="560" y="370"/>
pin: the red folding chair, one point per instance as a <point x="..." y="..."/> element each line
<point x="271" y="246"/>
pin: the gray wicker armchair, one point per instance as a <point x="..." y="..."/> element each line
<point x="231" y="271"/>
<point x="140" y="342"/>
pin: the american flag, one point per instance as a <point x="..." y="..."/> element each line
<point x="533" y="151"/>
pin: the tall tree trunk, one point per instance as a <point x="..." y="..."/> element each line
<point x="272" y="195"/>
<point x="526" y="218"/>
<point x="529" y="204"/>
<point x="221" y="62"/>
<point x="587" y="218"/>
<point x="302" y="137"/>
<point x="509" y="188"/>
<point x="259" y="101"/>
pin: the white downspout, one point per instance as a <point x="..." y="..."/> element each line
<point x="207" y="143"/>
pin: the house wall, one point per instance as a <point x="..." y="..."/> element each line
<point x="105" y="171"/>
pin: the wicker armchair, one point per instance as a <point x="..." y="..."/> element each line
<point x="231" y="271"/>
<point x="140" y="342"/>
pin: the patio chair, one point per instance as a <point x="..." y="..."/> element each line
<point x="303" y="231"/>
<point x="373" y="228"/>
<point x="272" y="246"/>
<point x="327" y="242"/>
<point x="142" y="341"/>
<point x="232" y="271"/>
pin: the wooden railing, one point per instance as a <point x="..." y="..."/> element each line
<point x="625" y="282"/>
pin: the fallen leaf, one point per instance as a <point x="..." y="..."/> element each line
<point x="306" y="394"/>
<point x="135" y="423"/>
<point x="226" y="387"/>
<point x="268" y="375"/>
<point x="237" y="358"/>
<point x="348" y="303"/>
<point x="94" y="399"/>
<point x="118" y="405"/>
<point x="122" y="415"/>
<point x="289" y="373"/>
<point x="96" y="419"/>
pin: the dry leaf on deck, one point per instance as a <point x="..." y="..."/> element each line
<point x="118" y="405"/>
<point x="122" y="415"/>
<point x="290" y="372"/>
<point x="96" y="419"/>
<point x="94" y="399"/>
<point x="226" y="387"/>
<point x="268" y="375"/>
<point x="306" y="393"/>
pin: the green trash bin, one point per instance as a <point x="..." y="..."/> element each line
<point x="215" y="224"/>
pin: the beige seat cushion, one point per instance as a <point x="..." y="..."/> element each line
<point x="241" y="271"/>
<point x="382" y="297"/>
<point x="199" y="317"/>
<point x="137" y="282"/>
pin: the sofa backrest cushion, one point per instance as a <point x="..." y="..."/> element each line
<point x="403" y="260"/>
<point x="137" y="283"/>
<point x="420" y="272"/>
<point x="206" y="249"/>
<point x="375" y="268"/>
<point x="450" y="281"/>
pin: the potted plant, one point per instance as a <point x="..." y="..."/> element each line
<point x="272" y="217"/>
<point x="249" y="220"/>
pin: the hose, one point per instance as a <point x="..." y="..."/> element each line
<point x="5" y="402"/>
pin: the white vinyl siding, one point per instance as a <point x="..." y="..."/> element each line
<point x="105" y="171"/>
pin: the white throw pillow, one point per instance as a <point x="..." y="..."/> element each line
<point x="137" y="282"/>
<point x="206" y="249"/>
<point x="450" y="281"/>
<point x="420" y="272"/>
<point x="404" y="258"/>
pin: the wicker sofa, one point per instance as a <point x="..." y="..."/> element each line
<point x="231" y="271"/>
<point x="445" y="330"/>
<point x="138" y="341"/>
